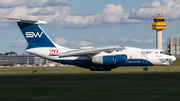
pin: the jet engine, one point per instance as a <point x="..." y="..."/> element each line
<point x="104" y="60"/>
<point x="120" y="58"/>
<point x="109" y="59"/>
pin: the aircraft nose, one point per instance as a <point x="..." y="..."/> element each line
<point x="170" y="61"/>
<point x="173" y="58"/>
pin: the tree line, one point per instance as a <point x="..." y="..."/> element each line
<point x="12" y="52"/>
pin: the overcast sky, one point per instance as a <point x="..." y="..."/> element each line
<point x="80" y="23"/>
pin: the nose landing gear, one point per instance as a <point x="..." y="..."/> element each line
<point x="145" y="68"/>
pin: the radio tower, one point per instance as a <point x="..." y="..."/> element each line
<point x="159" y="25"/>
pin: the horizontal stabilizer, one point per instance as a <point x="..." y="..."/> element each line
<point x="28" y="21"/>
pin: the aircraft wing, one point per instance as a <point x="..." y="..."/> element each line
<point x="91" y="51"/>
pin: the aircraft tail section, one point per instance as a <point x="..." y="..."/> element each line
<point x="34" y="34"/>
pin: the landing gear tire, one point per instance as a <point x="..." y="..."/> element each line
<point x="96" y="69"/>
<point x="145" y="69"/>
<point x="107" y="69"/>
<point x="99" y="69"/>
<point x="93" y="69"/>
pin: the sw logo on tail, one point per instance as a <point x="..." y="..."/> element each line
<point x="32" y="34"/>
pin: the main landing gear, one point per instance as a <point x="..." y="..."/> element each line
<point x="145" y="68"/>
<point x="99" y="69"/>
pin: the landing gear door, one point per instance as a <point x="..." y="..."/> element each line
<point x="144" y="59"/>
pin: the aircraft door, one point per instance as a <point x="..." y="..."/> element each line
<point x="144" y="59"/>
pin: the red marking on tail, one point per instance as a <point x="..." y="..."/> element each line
<point x="9" y="18"/>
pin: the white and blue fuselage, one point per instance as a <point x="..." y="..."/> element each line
<point x="92" y="58"/>
<point x="135" y="57"/>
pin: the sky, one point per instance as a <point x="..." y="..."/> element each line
<point x="81" y="23"/>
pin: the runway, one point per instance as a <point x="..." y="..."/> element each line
<point x="84" y="71"/>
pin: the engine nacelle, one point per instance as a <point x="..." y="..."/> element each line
<point x="109" y="59"/>
<point x="104" y="60"/>
<point x="121" y="58"/>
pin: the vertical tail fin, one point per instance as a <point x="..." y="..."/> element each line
<point x="33" y="33"/>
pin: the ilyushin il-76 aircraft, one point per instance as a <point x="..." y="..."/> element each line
<point x="95" y="59"/>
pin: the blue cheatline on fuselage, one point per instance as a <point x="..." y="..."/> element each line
<point x="137" y="62"/>
<point x="85" y="63"/>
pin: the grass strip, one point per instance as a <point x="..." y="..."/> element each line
<point x="90" y="86"/>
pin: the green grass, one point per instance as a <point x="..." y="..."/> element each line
<point x="74" y="68"/>
<point x="111" y="86"/>
<point x="144" y="86"/>
<point x="61" y="68"/>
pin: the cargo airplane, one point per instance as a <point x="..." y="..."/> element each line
<point x="95" y="59"/>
